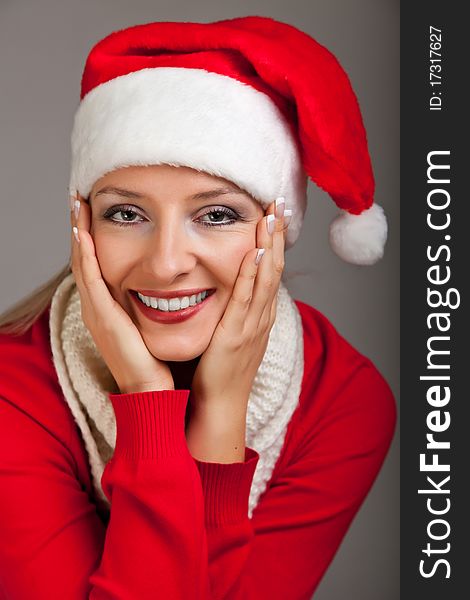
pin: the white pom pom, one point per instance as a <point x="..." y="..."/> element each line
<point x="359" y="239"/>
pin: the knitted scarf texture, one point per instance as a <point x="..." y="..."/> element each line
<point x="86" y="382"/>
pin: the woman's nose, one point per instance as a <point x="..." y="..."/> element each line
<point x="170" y="252"/>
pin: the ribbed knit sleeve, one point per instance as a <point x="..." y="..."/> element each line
<point x="230" y="534"/>
<point x="150" y="425"/>
<point x="226" y="488"/>
<point x="155" y="545"/>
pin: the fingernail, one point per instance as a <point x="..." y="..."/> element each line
<point x="287" y="216"/>
<point x="270" y="223"/>
<point x="76" y="208"/>
<point x="259" y="255"/>
<point x="72" y="199"/>
<point x="280" y="206"/>
<point x="75" y="233"/>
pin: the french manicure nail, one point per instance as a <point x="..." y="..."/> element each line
<point x="72" y="199"/>
<point x="287" y="216"/>
<point x="75" y="233"/>
<point x="270" y="223"/>
<point x="279" y="207"/>
<point x="76" y="208"/>
<point x="259" y="255"/>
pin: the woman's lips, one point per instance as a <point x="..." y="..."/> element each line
<point x="170" y="316"/>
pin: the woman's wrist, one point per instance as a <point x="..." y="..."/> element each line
<point x="215" y="432"/>
<point x="146" y="387"/>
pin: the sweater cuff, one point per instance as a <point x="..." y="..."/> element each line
<point x="150" y="425"/>
<point x="226" y="488"/>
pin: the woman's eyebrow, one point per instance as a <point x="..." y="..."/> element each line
<point x="216" y="192"/>
<point x="199" y="196"/>
<point x="118" y="191"/>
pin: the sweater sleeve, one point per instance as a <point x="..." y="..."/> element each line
<point x="52" y="542"/>
<point x="155" y="545"/>
<point x="302" y="517"/>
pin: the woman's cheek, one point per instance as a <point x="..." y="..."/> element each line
<point x="113" y="257"/>
<point x="231" y="263"/>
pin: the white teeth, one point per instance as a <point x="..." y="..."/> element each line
<point x="163" y="304"/>
<point x="173" y="304"/>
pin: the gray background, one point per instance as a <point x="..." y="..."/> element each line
<point x="43" y="47"/>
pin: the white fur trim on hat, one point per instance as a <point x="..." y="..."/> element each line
<point x="360" y="239"/>
<point x="193" y="118"/>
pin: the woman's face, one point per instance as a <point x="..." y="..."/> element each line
<point x="165" y="229"/>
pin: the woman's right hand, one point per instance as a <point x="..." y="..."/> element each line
<point x="116" y="336"/>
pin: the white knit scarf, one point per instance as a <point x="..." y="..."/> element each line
<point x="86" y="382"/>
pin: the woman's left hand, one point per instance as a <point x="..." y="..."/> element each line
<point x="227" y="368"/>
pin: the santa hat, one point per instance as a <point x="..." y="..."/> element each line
<point x="251" y="99"/>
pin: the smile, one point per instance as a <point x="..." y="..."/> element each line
<point x="173" y="304"/>
<point x="172" y="310"/>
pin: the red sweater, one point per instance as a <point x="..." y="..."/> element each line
<point x="178" y="527"/>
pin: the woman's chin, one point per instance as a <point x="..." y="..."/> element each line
<point x="175" y="353"/>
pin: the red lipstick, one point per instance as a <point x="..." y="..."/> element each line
<point x="175" y="316"/>
<point x="174" y="294"/>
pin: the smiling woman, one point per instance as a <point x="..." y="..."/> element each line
<point x="169" y="244"/>
<point x="164" y="399"/>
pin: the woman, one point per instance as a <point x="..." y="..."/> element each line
<point x="172" y="423"/>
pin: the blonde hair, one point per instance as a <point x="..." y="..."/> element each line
<point x="17" y="319"/>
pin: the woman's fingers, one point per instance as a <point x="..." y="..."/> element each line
<point x="94" y="292"/>
<point x="75" y="250"/>
<point x="234" y="319"/>
<point x="278" y="258"/>
<point x="234" y="316"/>
<point x="254" y="295"/>
<point x="269" y="273"/>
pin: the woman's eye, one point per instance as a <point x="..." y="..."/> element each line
<point x="219" y="216"/>
<point x="213" y="218"/>
<point x="128" y="215"/>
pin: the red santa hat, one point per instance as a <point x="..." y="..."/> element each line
<point x="253" y="100"/>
